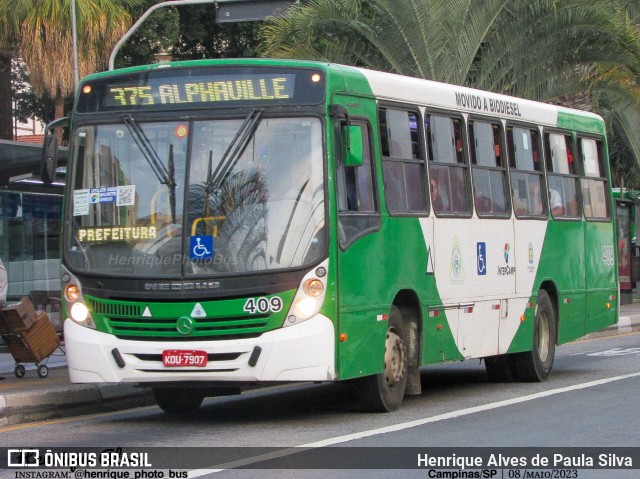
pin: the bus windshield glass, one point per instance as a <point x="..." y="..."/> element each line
<point x="188" y="198"/>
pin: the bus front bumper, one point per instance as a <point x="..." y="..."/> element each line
<point x="304" y="352"/>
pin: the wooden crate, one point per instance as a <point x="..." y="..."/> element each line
<point x="36" y="343"/>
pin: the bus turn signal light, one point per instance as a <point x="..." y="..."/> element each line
<point x="72" y="293"/>
<point x="314" y="287"/>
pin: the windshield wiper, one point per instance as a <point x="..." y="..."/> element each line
<point x="165" y="176"/>
<point x="171" y="176"/>
<point x="236" y="147"/>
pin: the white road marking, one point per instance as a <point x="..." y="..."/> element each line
<point x="405" y="425"/>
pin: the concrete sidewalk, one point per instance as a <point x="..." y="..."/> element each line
<point x="32" y="398"/>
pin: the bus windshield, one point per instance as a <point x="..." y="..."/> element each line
<point x="184" y="198"/>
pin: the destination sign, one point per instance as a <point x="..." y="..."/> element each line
<point x="190" y="90"/>
<point x="208" y="87"/>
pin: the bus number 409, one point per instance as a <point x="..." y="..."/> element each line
<point x="263" y="305"/>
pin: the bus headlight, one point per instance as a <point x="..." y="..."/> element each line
<point x="75" y="306"/>
<point x="309" y="297"/>
<point x="79" y="312"/>
<point x="304" y="307"/>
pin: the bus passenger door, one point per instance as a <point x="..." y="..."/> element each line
<point x="360" y="252"/>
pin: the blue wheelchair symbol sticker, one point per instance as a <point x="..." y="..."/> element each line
<point x="482" y="259"/>
<point x="201" y="247"/>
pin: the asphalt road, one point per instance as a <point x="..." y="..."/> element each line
<point x="591" y="400"/>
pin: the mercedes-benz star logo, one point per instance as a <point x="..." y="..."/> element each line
<point x="185" y="325"/>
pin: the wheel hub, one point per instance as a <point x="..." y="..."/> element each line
<point x="394" y="359"/>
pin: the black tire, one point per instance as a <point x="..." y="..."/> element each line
<point x="19" y="371"/>
<point x="43" y="371"/>
<point x="536" y="365"/>
<point x="384" y="392"/>
<point x="178" y="401"/>
<point x="500" y="368"/>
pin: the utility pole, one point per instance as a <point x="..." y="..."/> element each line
<point x="74" y="33"/>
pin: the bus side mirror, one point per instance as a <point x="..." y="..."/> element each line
<point x="354" y="146"/>
<point x="49" y="160"/>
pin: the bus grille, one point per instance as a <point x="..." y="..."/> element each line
<point x="126" y="322"/>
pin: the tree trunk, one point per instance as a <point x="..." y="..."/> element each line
<point x="58" y="103"/>
<point x="6" y="109"/>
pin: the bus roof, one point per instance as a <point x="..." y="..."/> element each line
<point x="426" y="93"/>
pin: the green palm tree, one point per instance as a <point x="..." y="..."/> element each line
<point x="539" y="49"/>
<point x="43" y="28"/>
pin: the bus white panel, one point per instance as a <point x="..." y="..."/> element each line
<point x="302" y="352"/>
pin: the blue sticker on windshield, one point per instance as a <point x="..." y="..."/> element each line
<point x="103" y="195"/>
<point x="201" y="247"/>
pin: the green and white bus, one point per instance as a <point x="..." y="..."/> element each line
<point x="230" y="223"/>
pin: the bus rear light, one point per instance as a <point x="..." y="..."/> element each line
<point x="608" y="305"/>
<point x="434" y="313"/>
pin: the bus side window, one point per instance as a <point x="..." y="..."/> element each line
<point x="527" y="177"/>
<point x="562" y="177"/>
<point x="447" y="167"/>
<point x="594" y="181"/>
<point x="402" y="163"/>
<point x="356" y="195"/>
<point x="488" y="169"/>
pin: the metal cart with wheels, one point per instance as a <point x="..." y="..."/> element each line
<point x="31" y="338"/>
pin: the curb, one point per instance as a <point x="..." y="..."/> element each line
<point x="68" y="401"/>
<point x="625" y="324"/>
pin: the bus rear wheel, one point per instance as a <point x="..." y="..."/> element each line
<point x="384" y="392"/>
<point x="177" y="401"/>
<point x="536" y="365"/>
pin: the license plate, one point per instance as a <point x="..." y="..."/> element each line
<point x="174" y="358"/>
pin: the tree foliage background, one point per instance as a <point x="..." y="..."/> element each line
<point x="188" y="33"/>
<point x="546" y="50"/>
<point x="579" y="53"/>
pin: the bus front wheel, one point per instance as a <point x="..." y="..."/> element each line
<point x="177" y="401"/>
<point x="536" y="365"/>
<point x="384" y="392"/>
